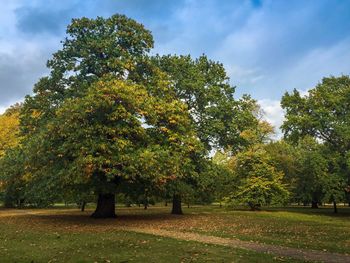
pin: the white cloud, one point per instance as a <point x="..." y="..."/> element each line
<point x="273" y="113"/>
<point x="2" y="109"/>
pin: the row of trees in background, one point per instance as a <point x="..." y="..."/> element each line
<point x="112" y="119"/>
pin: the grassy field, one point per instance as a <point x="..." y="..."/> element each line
<point x="67" y="235"/>
<point x="299" y="227"/>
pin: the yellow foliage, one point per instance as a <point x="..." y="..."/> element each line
<point x="9" y="127"/>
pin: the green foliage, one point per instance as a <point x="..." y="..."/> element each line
<point x="93" y="49"/>
<point x="324" y="115"/>
<point x="109" y="117"/>
<point x="204" y="86"/>
<point x="259" y="182"/>
<point x="283" y="156"/>
<point x="259" y="132"/>
<point x="12" y="177"/>
<point x="115" y="133"/>
<point x="312" y="169"/>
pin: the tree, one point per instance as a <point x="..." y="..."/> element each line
<point x="11" y="187"/>
<point x="9" y="128"/>
<point x="285" y="158"/>
<point x="222" y="179"/>
<point x="312" y="169"/>
<point x="217" y="117"/>
<point x="116" y="134"/>
<point x="93" y="48"/>
<point x="109" y="115"/>
<point x="203" y="85"/>
<point x="259" y="182"/>
<point x="12" y="177"/>
<point x="324" y="115"/>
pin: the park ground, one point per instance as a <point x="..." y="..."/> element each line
<point x="202" y="234"/>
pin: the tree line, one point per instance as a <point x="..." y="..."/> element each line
<point x="112" y="119"/>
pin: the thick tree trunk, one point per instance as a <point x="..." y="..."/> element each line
<point x="335" y="207"/>
<point x="82" y="208"/>
<point x="314" y="204"/>
<point x="177" y="209"/>
<point x="105" y="206"/>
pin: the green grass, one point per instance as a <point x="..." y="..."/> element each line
<point x="20" y="244"/>
<point x="67" y="235"/>
<point x="299" y="227"/>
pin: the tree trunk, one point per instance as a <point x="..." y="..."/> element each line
<point x="105" y="206"/>
<point x="253" y="206"/>
<point x="166" y="203"/>
<point x="314" y="204"/>
<point x="145" y="202"/>
<point x="177" y="209"/>
<point x="82" y="208"/>
<point x="335" y="207"/>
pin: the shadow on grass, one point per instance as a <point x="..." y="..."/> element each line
<point x="81" y="221"/>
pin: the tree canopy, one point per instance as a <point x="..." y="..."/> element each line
<point x="324" y="114"/>
<point x="110" y="117"/>
<point x="9" y="129"/>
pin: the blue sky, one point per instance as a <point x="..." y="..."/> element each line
<point x="268" y="47"/>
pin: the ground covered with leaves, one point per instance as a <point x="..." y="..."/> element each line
<point x="67" y="235"/>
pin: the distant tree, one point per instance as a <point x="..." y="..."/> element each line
<point x="324" y="115"/>
<point x="223" y="179"/>
<point x="259" y="182"/>
<point x="12" y="177"/>
<point x="312" y="169"/>
<point x="284" y="158"/>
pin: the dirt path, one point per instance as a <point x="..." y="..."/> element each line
<point x="301" y="254"/>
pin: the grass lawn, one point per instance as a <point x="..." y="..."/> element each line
<point x="299" y="227"/>
<point x="22" y="244"/>
<point x="68" y="235"/>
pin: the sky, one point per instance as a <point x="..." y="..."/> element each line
<point x="267" y="47"/>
